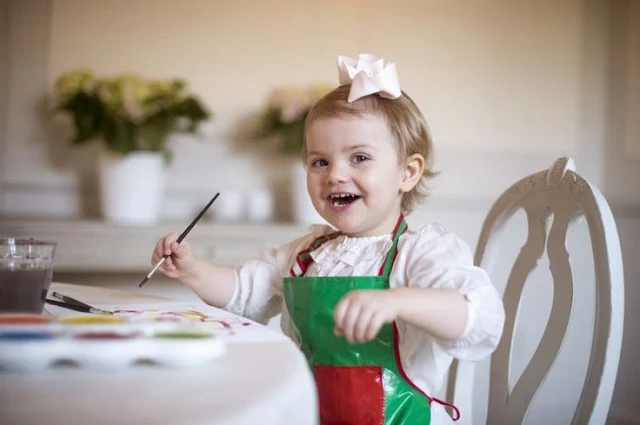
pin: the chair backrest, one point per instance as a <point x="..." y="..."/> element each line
<point x="561" y="194"/>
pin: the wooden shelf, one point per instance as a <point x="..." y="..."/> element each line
<point x="98" y="246"/>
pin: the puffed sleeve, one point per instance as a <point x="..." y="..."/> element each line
<point x="258" y="293"/>
<point x="437" y="258"/>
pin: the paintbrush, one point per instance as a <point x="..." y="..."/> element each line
<point x="80" y="308"/>
<point x="69" y="300"/>
<point x="180" y="238"/>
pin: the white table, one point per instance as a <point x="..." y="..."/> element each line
<point x="261" y="379"/>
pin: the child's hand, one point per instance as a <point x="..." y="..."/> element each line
<point x="181" y="259"/>
<point x="360" y="314"/>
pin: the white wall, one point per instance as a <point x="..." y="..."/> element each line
<point x="506" y="86"/>
<point x="512" y="84"/>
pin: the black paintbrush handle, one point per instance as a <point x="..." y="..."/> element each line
<point x="193" y="223"/>
<point x="80" y="308"/>
<point x="198" y="217"/>
<point x="69" y="306"/>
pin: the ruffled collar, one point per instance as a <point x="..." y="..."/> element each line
<point x="350" y="250"/>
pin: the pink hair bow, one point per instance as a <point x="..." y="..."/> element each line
<point x="368" y="75"/>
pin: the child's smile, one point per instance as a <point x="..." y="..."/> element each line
<point x="342" y="201"/>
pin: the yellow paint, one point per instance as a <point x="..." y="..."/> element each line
<point x="90" y="320"/>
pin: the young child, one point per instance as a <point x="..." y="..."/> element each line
<point x="379" y="310"/>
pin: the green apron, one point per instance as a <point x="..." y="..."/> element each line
<point x="358" y="384"/>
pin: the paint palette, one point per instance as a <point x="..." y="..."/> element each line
<point x="32" y="342"/>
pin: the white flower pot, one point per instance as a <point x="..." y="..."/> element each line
<point x="132" y="187"/>
<point x="303" y="210"/>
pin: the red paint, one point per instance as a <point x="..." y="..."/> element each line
<point x="103" y="335"/>
<point x="23" y="319"/>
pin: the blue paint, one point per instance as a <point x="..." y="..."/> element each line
<point x="25" y="336"/>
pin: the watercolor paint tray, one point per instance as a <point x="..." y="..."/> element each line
<point x="32" y="342"/>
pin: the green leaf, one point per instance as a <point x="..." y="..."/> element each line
<point x="120" y="135"/>
<point x="154" y="132"/>
<point x="88" y="116"/>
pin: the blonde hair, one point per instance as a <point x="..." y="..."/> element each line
<point x="405" y="121"/>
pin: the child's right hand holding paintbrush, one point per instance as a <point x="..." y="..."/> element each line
<point x="181" y="259"/>
<point x="213" y="283"/>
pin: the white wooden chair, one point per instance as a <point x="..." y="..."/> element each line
<point x="559" y="195"/>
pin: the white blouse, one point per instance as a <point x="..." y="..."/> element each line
<point x="428" y="257"/>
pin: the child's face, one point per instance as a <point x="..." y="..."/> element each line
<point x="354" y="177"/>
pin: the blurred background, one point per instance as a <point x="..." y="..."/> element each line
<point x="507" y="87"/>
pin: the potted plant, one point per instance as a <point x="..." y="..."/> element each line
<point x="283" y="120"/>
<point x="133" y="119"/>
